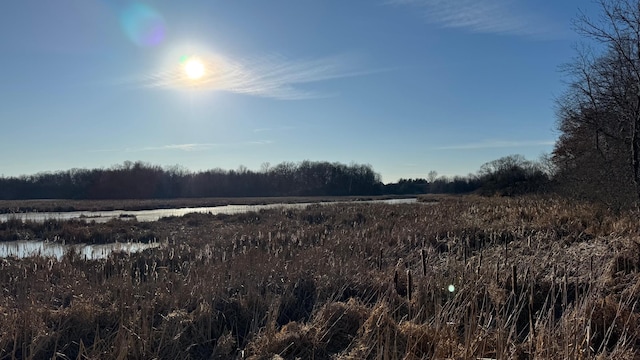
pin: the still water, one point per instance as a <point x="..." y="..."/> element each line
<point x="30" y="248"/>
<point x="153" y="215"/>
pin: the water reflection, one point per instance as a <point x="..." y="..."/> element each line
<point x="153" y="215"/>
<point x="29" y="248"/>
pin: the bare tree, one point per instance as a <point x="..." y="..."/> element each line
<point x="432" y="176"/>
<point x="599" y="116"/>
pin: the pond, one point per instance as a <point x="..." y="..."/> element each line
<point x="153" y="215"/>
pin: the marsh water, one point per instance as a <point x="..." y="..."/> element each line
<point x="29" y="248"/>
<point x="155" y="214"/>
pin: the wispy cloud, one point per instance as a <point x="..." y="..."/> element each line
<point x="189" y="147"/>
<point x="483" y="16"/>
<point x="273" y="76"/>
<point x="494" y="144"/>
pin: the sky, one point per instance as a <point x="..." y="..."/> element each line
<point x="407" y="86"/>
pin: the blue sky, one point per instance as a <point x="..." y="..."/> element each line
<point x="407" y="86"/>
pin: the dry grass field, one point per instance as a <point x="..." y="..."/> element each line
<point x="459" y="278"/>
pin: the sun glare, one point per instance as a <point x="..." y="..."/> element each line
<point x="194" y="68"/>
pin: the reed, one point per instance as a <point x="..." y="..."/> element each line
<point x="343" y="281"/>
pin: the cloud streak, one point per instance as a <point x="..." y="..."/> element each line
<point x="496" y="144"/>
<point x="273" y="76"/>
<point x="482" y="16"/>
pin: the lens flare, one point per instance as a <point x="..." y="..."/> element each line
<point x="143" y="25"/>
<point x="452" y="288"/>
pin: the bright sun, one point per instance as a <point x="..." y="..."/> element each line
<point x="194" y="68"/>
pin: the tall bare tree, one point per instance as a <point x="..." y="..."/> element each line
<point x="599" y="115"/>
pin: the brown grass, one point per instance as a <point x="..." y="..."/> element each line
<point x="330" y="282"/>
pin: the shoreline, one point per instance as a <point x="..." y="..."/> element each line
<point x="67" y="205"/>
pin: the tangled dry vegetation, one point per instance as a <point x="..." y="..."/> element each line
<point x="535" y="278"/>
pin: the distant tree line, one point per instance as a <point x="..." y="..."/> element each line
<point x="507" y="176"/>
<point x="142" y="181"/>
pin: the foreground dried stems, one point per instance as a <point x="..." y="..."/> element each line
<point x="531" y="278"/>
